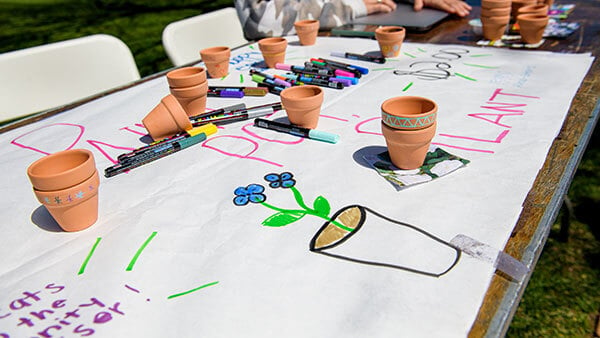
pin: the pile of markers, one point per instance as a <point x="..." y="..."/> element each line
<point x="203" y="125"/>
<point x="318" y="71"/>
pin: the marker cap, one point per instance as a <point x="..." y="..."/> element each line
<point x="323" y="136"/>
<point x="207" y="129"/>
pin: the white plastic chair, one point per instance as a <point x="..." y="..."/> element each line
<point x="48" y="76"/>
<point x="184" y="39"/>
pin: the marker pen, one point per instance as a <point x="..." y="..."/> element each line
<point x="269" y="77"/>
<point x="337" y="70"/>
<point x="225" y="93"/>
<point x="361" y="57"/>
<point x="305" y="70"/>
<point x="195" y="136"/>
<point x="225" y="110"/>
<point x="241" y="115"/>
<point x="274" y="89"/>
<point x="298" y="131"/>
<point x="360" y="69"/>
<point x="322" y="82"/>
<point x="248" y="91"/>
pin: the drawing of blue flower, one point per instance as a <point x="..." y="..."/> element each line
<point x="252" y="193"/>
<point x="283" y="180"/>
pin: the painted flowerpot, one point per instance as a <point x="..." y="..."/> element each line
<point x="492" y="12"/>
<point x="166" y="119"/>
<point x="302" y="105"/>
<point x="493" y="27"/>
<point x="408" y="148"/>
<point x="408" y="112"/>
<point x="192" y="99"/>
<point x="186" y="77"/>
<point x="307" y="31"/>
<point x="531" y="27"/>
<point x="489" y="4"/>
<point x="517" y="4"/>
<point x="63" y="183"/>
<point x="537" y="9"/>
<point x="399" y="245"/>
<point x="62" y="169"/>
<point x="273" y="50"/>
<point x="216" y="60"/>
<point x="390" y="40"/>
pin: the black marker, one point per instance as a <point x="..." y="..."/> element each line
<point x="361" y="57"/>
<point x="298" y="131"/>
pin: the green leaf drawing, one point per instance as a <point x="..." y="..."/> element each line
<point x="321" y="206"/>
<point x="282" y="219"/>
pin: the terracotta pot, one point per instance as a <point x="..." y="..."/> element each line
<point x="166" y="119"/>
<point x="546" y="2"/>
<point x="408" y="148"/>
<point x="66" y="183"/>
<point x="537" y="9"/>
<point x="273" y="50"/>
<point x="531" y="27"/>
<point x="74" y="208"/>
<point x="307" y="31"/>
<point x="62" y="169"/>
<point x="408" y="112"/>
<point x="303" y="105"/>
<point x="390" y="40"/>
<point x="491" y="12"/>
<point x="186" y="77"/>
<point x="489" y="4"/>
<point x="216" y="60"/>
<point x="494" y="27"/>
<point x="517" y="4"/>
<point x="192" y="99"/>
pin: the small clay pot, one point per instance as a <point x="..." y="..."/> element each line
<point x="494" y="27"/>
<point x="186" y="77"/>
<point x="66" y="183"/>
<point x="537" y="9"/>
<point x="62" y="169"/>
<point x="390" y="40"/>
<point x="192" y="99"/>
<point x="307" y="31"/>
<point x="303" y="105"/>
<point x="547" y="3"/>
<point x="531" y="27"/>
<point x="517" y="4"/>
<point x="273" y="50"/>
<point x="408" y="148"/>
<point x="491" y="12"/>
<point x="216" y="60"/>
<point x="408" y="112"/>
<point x="166" y="119"/>
<point x="74" y="208"/>
<point x="490" y="4"/>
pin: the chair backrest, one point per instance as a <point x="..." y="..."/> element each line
<point x="184" y="39"/>
<point x="48" y="76"/>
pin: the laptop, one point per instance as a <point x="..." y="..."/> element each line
<point x="404" y="16"/>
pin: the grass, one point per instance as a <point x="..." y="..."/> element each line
<point x="563" y="295"/>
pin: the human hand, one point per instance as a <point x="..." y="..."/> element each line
<point x="457" y="7"/>
<point x="380" y="6"/>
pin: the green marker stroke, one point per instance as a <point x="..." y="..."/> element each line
<point x="192" y="290"/>
<point x="465" y="77"/>
<point x="139" y="252"/>
<point x="87" y="259"/>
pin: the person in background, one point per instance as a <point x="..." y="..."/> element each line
<point x="262" y="18"/>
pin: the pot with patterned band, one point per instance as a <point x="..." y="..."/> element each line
<point x="408" y="125"/>
<point x="273" y="50"/>
<point x="72" y="199"/>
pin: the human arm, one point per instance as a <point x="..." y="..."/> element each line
<point x="457" y="7"/>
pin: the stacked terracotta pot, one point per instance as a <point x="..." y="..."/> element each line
<point x="532" y="21"/>
<point x="273" y="50"/>
<point x="408" y="124"/>
<point x="190" y="87"/>
<point x="66" y="183"/>
<point x="495" y="16"/>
